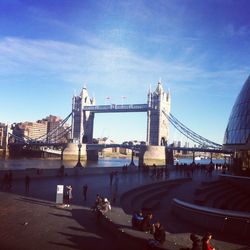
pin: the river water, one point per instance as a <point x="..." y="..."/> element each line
<point x="103" y="162"/>
<point x="54" y="163"/>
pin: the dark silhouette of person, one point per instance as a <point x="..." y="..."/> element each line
<point x="159" y="233"/>
<point x="27" y="183"/>
<point x="196" y="242"/>
<point x="111" y="175"/>
<point x="206" y="242"/>
<point x="9" y="180"/>
<point x="85" y="189"/>
<point x="62" y="169"/>
<point x="137" y="219"/>
<point x="146" y="223"/>
<point x="5" y="181"/>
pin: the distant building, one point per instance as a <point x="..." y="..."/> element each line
<point x="47" y="129"/>
<point x="106" y="140"/>
<point x="55" y="130"/>
<point x="179" y="145"/>
<point x="186" y="145"/>
<point x="2" y="134"/>
<point x="30" y="130"/>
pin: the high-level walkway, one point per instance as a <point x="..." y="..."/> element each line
<point x="32" y="220"/>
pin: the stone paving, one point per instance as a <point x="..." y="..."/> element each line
<point x="33" y="221"/>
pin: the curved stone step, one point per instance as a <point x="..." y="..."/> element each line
<point x="224" y="204"/>
<point x="128" y="197"/>
<point x="133" y="199"/>
<point x="202" y="198"/>
<point x="220" y="196"/>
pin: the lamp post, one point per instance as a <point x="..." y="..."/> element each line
<point x="78" y="164"/>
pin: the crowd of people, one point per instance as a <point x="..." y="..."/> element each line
<point x="203" y="243"/>
<point x="101" y="206"/>
<point x="142" y="221"/>
<point x="207" y="169"/>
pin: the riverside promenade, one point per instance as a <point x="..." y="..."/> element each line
<point x="31" y="220"/>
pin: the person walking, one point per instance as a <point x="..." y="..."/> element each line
<point x="27" y="183"/>
<point x="68" y="196"/>
<point x="9" y="180"/>
<point x="85" y="189"/>
<point x="111" y="175"/>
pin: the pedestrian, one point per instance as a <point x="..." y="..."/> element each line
<point x="111" y="175"/>
<point x="85" y="189"/>
<point x="159" y="235"/>
<point x="68" y="195"/>
<point x="206" y="242"/>
<point x="62" y="170"/>
<point x="5" y="181"/>
<point x="9" y="180"/>
<point x="146" y="222"/>
<point x="114" y="194"/>
<point x="116" y="179"/>
<point x="27" y="183"/>
<point x="97" y="203"/>
<point x="196" y="242"/>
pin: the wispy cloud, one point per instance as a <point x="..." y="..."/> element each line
<point x="110" y="66"/>
<point x="230" y="31"/>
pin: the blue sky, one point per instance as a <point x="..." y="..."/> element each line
<point x="50" y="49"/>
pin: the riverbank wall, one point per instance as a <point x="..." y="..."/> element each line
<point x="76" y="171"/>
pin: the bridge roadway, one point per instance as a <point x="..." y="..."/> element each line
<point x="99" y="147"/>
<point x="205" y="150"/>
<point x="114" y="108"/>
<point x="114" y="145"/>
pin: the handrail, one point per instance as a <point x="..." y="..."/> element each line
<point x="216" y="211"/>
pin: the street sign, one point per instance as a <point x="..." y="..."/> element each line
<point x="59" y="194"/>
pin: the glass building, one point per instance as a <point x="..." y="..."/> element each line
<point x="237" y="134"/>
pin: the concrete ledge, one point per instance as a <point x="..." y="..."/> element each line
<point x="237" y="223"/>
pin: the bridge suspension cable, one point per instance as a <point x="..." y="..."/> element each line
<point x="54" y="130"/>
<point x="53" y="136"/>
<point x="202" y="141"/>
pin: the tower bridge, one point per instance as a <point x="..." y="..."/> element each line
<point x="84" y="109"/>
<point x="159" y="118"/>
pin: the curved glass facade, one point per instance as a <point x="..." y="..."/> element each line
<point x="238" y="128"/>
<point x="237" y="134"/>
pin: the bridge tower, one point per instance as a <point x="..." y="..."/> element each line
<point x="82" y="121"/>
<point x="82" y="126"/>
<point x="157" y="127"/>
